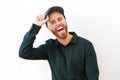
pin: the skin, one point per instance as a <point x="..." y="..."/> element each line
<point x="57" y="24"/>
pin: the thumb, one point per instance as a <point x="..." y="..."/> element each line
<point x="46" y="18"/>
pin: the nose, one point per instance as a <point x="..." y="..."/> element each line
<point x="57" y="23"/>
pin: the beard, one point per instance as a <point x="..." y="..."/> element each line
<point x="61" y="34"/>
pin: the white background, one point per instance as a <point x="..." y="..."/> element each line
<point x="96" y="20"/>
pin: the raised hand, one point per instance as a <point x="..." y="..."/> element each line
<point x="41" y="19"/>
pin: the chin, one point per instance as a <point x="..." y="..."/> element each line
<point x="63" y="36"/>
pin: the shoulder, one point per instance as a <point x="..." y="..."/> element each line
<point x="84" y="40"/>
<point x="86" y="44"/>
<point x="80" y="40"/>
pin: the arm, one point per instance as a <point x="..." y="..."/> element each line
<point x="91" y="65"/>
<point x="26" y="50"/>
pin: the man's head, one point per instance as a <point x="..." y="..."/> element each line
<point x="55" y="9"/>
<point x="57" y="22"/>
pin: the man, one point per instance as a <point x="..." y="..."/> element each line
<point x="70" y="57"/>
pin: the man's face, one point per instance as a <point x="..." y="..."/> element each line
<point x="57" y="25"/>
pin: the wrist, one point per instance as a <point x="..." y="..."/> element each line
<point x="36" y="25"/>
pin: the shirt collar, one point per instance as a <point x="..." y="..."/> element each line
<point x="73" y="40"/>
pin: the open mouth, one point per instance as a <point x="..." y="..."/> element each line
<point x="60" y="29"/>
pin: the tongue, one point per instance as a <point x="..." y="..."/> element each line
<point x="61" y="31"/>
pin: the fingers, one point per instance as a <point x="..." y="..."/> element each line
<point x="45" y="17"/>
<point x="41" y="19"/>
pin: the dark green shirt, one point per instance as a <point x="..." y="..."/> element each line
<point x="75" y="61"/>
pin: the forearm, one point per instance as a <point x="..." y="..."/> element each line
<point x="26" y="47"/>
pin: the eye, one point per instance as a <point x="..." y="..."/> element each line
<point x="60" y="19"/>
<point x="52" y="22"/>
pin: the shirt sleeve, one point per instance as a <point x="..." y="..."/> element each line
<point x="26" y="49"/>
<point x="91" y="66"/>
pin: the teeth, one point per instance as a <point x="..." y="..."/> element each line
<point x="59" y="28"/>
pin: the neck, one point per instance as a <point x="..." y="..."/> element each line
<point x="66" y="40"/>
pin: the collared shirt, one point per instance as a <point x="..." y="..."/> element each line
<point x="75" y="61"/>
